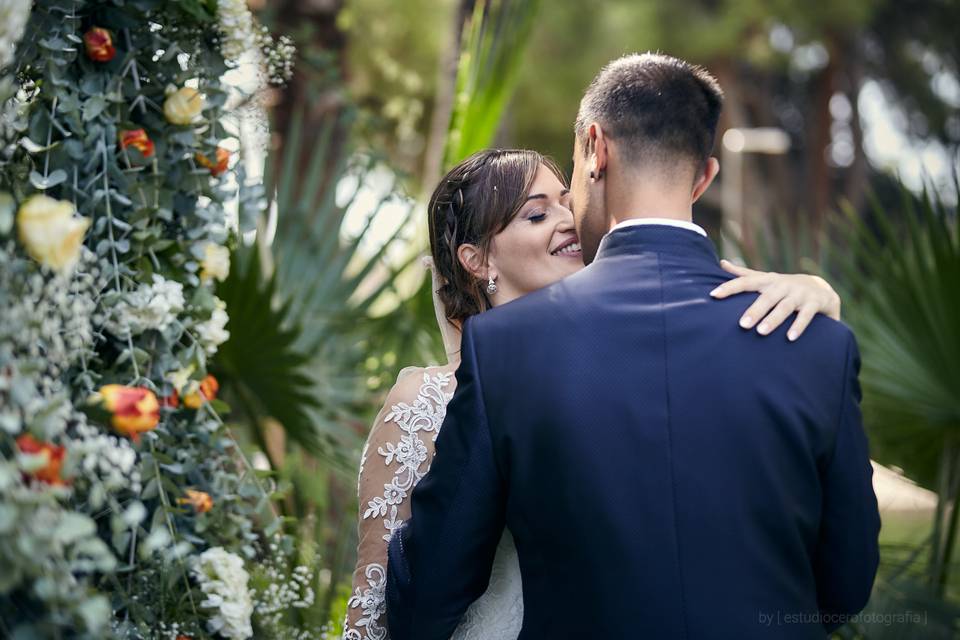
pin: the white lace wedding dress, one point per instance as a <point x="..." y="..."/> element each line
<point x="397" y="455"/>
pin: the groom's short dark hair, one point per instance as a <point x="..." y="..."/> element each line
<point x="660" y="109"/>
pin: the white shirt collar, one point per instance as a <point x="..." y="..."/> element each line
<point x="670" y="222"/>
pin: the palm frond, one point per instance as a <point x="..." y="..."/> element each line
<point x="262" y="369"/>
<point x="902" y="268"/>
<point x="494" y="42"/>
<point x="297" y="347"/>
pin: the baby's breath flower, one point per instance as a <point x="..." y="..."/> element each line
<point x="236" y="29"/>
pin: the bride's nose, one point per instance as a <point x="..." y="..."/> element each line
<point x="565" y="222"/>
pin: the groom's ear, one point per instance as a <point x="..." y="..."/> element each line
<point x="471" y="258"/>
<point x="597" y="151"/>
<point x="710" y="172"/>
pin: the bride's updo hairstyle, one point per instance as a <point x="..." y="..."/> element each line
<point x="474" y="202"/>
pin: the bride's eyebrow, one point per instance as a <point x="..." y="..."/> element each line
<point x="543" y="196"/>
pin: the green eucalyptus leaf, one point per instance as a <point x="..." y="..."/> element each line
<point x="43" y="183"/>
<point x="93" y="107"/>
<point x="7" y="211"/>
<point x="34" y="147"/>
<point x="73" y="526"/>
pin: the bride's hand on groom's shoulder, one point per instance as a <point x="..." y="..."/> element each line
<point x="781" y="294"/>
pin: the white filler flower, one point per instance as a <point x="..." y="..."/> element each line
<point x="212" y="333"/>
<point x="236" y="28"/>
<point x="149" y="306"/>
<point x="223" y="579"/>
<point x="13" y="20"/>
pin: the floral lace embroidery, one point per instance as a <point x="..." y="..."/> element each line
<point x="373" y="602"/>
<point x="425" y="415"/>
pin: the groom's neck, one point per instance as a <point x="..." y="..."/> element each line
<point x="648" y="192"/>
<point x="649" y="201"/>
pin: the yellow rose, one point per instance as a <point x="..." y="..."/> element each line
<point x="50" y="232"/>
<point x="216" y="263"/>
<point x="183" y="105"/>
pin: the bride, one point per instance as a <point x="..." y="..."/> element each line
<point x="500" y="227"/>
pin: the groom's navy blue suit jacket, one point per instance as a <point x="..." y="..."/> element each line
<point x="664" y="473"/>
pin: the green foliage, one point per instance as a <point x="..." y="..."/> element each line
<point x="260" y="363"/>
<point x="490" y="60"/>
<point x="902" y="270"/>
<point x="105" y="509"/>
<point x="393" y="76"/>
<point x="300" y="334"/>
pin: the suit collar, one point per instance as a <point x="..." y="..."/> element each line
<point x="635" y="239"/>
<point x="670" y="222"/>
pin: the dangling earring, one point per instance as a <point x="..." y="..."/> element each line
<point x="491" y="286"/>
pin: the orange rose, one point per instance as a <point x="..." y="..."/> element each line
<point x="99" y="45"/>
<point x="223" y="158"/>
<point x="207" y="392"/>
<point x="171" y="401"/>
<point x="134" y="409"/>
<point x="199" y="500"/>
<point x="53" y="454"/>
<point x="137" y="138"/>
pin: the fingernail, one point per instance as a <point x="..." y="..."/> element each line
<point x="714" y="292"/>
<point x="792" y="336"/>
<point x="763" y="329"/>
<point x="746" y="322"/>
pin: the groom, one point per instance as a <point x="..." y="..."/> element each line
<point x="664" y="473"/>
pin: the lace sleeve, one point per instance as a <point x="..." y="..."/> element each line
<point x="397" y="455"/>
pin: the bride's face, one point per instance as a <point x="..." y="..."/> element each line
<point x="540" y="245"/>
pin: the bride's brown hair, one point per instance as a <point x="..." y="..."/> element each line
<point x="475" y="201"/>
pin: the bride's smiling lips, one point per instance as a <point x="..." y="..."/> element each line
<point x="569" y="248"/>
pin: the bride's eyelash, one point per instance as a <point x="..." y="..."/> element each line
<point x="537" y="216"/>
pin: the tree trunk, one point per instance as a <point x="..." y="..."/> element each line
<point x="855" y="185"/>
<point x="316" y="87"/>
<point x="818" y="171"/>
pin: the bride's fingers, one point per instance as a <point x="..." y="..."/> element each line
<point x="754" y="282"/>
<point x="776" y="317"/>
<point x="805" y="314"/>
<point x="761" y="307"/>
<point x="736" y="269"/>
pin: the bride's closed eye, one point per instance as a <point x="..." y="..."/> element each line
<point x="537" y="216"/>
